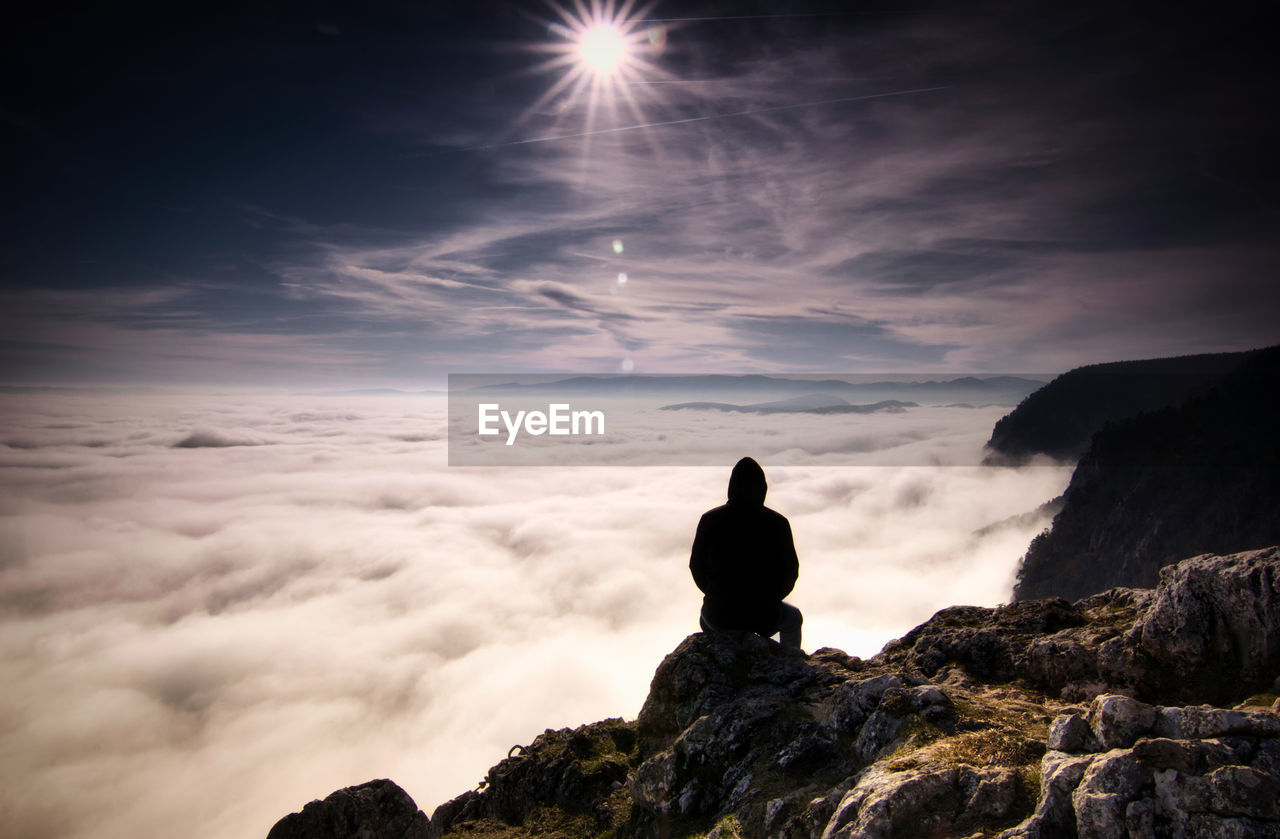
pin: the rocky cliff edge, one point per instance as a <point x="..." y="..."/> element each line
<point x="1135" y="712"/>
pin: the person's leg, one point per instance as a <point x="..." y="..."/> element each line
<point x="789" y="623"/>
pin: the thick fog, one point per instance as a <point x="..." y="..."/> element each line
<point x="214" y="609"/>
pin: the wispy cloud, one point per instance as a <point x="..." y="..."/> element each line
<point x="944" y="230"/>
<point x="1021" y="216"/>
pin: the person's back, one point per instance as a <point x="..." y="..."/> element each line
<point x="744" y="561"/>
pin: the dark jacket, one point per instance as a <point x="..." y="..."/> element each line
<point x="743" y="557"/>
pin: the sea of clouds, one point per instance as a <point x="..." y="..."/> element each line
<point x="216" y="608"/>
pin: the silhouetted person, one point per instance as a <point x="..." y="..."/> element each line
<point x="745" y="562"/>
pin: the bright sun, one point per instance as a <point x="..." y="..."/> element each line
<point x="606" y="53"/>
<point x="602" y="48"/>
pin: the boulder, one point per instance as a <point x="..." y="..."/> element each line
<point x="1117" y="721"/>
<point x="1135" y="785"/>
<point x="374" y="810"/>
<point x="571" y="772"/>
<point x="1216" y="613"/>
<point x="710" y="670"/>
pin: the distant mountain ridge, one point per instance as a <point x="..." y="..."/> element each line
<point x="1060" y="418"/>
<point x="992" y="390"/>
<point x="807" y="404"/>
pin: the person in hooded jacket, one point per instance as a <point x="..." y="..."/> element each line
<point x="744" y="561"/>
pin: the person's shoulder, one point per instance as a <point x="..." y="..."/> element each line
<point x="775" y="516"/>
<point x="716" y="512"/>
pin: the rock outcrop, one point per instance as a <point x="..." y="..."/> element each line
<point x="376" y="810"/>
<point x="1132" y="769"/>
<point x="1203" y="477"/>
<point x="570" y="781"/>
<point x="1130" y="713"/>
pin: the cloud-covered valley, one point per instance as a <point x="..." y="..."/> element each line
<point x="214" y="609"/>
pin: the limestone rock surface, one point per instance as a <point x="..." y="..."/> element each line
<point x="1154" y="771"/>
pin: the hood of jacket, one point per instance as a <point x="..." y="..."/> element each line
<point x="746" y="483"/>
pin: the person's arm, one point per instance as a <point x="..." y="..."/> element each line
<point x="698" y="557"/>
<point x="788" y="562"/>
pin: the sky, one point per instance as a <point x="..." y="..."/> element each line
<point x="320" y="194"/>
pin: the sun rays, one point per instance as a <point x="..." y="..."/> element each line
<point x="604" y="55"/>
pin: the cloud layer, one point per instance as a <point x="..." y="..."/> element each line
<point x="212" y="636"/>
